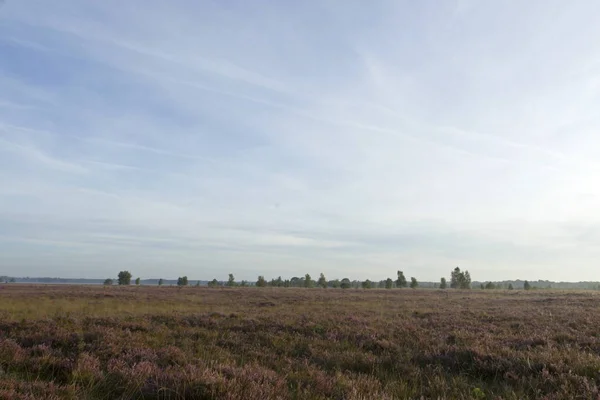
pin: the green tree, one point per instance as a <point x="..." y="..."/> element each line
<point x="510" y="286"/>
<point x="526" y="285"/>
<point x="490" y="286"/>
<point x="466" y="284"/>
<point x="414" y="283"/>
<point x="278" y="282"/>
<point x="261" y="282"/>
<point x="336" y="284"/>
<point x="322" y="281"/>
<point x="161" y="282"/>
<point x="455" y="278"/>
<point x="443" y="283"/>
<point x="459" y="279"/>
<point x="389" y="283"/>
<point x="124" y="278"/>
<point x="401" y="281"/>
<point x="287" y="283"/>
<point x="366" y="284"/>
<point x="308" y="282"/>
<point x="12" y="280"/>
<point x="137" y="281"/>
<point x="213" y="283"/>
<point x="197" y="283"/>
<point x="108" y="282"/>
<point x="231" y="281"/>
<point x="182" y="281"/>
<point x="345" y="283"/>
<point x="244" y="284"/>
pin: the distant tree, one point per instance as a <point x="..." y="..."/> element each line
<point x="443" y="283"/>
<point x="213" y="283"/>
<point x="345" y="283"/>
<point x="401" y="281"/>
<point x="287" y="283"/>
<point x="231" y="281"/>
<point x="381" y="285"/>
<point x="124" y="278"/>
<point x="137" y="281"/>
<point x="481" y="286"/>
<point x="161" y="282"/>
<point x="466" y="284"/>
<point x="197" y="283"/>
<point x="526" y="285"/>
<point x="108" y="282"/>
<point x="308" y="282"/>
<point x="12" y="280"/>
<point x="490" y="285"/>
<point x="261" y="282"/>
<point x="460" y="280"/>
<point x="278" y="282"/>
<point x="389" y="283"/>
<point x="413" y="283"/>
<point x="336" y="284"/>
<point x="510" y="286"/>
<point x="244" y="284"/>
<point x="366" y="284"/>
<point x="296" y="282"/>
<point x="182" y="281"/>
<point x="322" y="282"/>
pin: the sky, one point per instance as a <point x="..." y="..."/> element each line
<point x="352" y="138"/>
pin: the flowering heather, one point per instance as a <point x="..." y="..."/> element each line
<point x="75" y="342"/>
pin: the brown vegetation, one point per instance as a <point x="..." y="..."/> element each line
<point x="77" y="342"/>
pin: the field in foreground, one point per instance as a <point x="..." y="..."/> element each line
<point x="77" y="342"/>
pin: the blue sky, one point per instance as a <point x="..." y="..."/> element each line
<point x="346" y="137"/>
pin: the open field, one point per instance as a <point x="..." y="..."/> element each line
<point x="86" y="342"/>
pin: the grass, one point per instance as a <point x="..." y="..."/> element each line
<point x="89" y="342"/>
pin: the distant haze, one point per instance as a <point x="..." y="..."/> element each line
<point x="351" y="138"/>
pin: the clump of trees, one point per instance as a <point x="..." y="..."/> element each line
<point x="108" y="282"/>
<point x="124" y="278"/>
<point x="459" y="279"/>
<point x="322" y="282"/>
<point x="414" y="283"/>
<point x="308" y="282"/>
<point x="401" y="281"/>
<point x="182" y="281"/>
<point x="261" y="282"/>
<point x="231" y="281"/>
<point x="443" y="283"/>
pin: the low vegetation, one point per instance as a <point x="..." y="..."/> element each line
<point x="141" y="342"/>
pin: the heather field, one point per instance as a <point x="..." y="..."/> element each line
<point x="92" y="342"/>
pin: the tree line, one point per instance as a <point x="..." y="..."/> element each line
<point x="458" y="280"/>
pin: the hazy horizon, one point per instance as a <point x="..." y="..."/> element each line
<point x="284" y="138"/>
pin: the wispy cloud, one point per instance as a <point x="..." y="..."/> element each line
<point x="288" y="138"/>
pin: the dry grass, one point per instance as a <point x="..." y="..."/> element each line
<point x="78" y="342"/>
